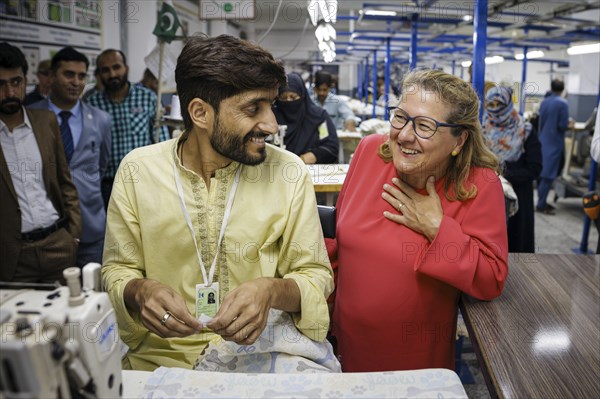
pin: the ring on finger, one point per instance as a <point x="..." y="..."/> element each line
<point x="400" y="205"/>
<point x="165" y="318"/>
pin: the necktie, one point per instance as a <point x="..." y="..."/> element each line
<point x="67" y="136"/>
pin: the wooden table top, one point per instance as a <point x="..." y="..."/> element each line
<point x="349" y="136"/>
<point x="541" y="337"/>
<point x="328" y="178"/>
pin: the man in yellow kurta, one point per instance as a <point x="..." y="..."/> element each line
<point x="216" y="210"/>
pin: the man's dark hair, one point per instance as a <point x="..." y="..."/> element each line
<point x="12" y="57"/>
<point x="68" y="54"/>
<point x="557" y="86"/>
<point x="111" y="50"/>
<point x="216" y="68"/>
<point x="323" y="77"/>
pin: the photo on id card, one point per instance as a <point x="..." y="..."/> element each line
<point x="207" y="300"/>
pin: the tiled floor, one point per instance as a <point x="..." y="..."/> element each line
<point x="559" y="233"/>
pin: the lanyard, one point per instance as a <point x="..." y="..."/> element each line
<point x="207" y="280"/>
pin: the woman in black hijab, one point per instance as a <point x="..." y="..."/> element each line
<point x="305" y="136"/>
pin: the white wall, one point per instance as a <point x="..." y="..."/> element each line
<point x="509" y="73"/>
<point x="347" y="77"/>
<point x="111" y="27"/>
<point x="134" y="21"/>
<point x="280" y="42"/>
<point x="140" y="40"/>
<point x="584" y="74"/>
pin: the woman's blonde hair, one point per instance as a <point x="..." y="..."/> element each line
<point x="463" y="109"/>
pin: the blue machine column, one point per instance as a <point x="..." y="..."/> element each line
<point x="479" y="49"/>
<point x="413" y="42"/>
<point x="374" y="115"/>
<point x="359" y="86"/>
<point x="388" y="62"/>
<point x="366" y="81"/>
<point x="523" y="82"/>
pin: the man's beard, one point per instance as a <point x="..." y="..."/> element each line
<point x="10" y="106"/>
<point x="234" y="147"/>
<point x="113" y="85"/>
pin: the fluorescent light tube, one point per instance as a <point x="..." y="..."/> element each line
<point x="381" y="13"/>
<point x="496" y="59"/>
<point x="530" y="55"/>
<point x="584" y="49"/>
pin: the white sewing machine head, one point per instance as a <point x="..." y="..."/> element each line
<point x="277" y="139"/>
<point x="59" y="342"/>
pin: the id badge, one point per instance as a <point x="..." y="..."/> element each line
<point x="207" y="299"/>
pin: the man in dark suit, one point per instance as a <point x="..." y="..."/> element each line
<point x="42" y="89"/>
<point x="87" y="140"/>
<point x="41" y="221"/>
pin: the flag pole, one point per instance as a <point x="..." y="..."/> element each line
<point x="161" y="47"/>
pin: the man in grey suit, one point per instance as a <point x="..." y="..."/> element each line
<point x="86" y="138"/>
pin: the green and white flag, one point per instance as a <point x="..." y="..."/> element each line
<point x="167" y="23"/>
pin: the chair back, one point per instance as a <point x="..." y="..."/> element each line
<point x="327" y="218"/>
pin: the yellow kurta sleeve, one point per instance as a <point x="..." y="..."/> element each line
<point x="304" y="259"/>
<point x="122" y="260"/>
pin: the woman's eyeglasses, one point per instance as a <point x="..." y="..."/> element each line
<point x="423" y="126"/>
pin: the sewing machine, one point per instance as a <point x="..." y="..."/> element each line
<point x="277" y="139"/>
<point x="59" y="342"/>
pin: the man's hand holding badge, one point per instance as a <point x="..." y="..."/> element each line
<point x="244" y="312"/>
<point x="162" y="310"/>
<point x="243" y="315"/>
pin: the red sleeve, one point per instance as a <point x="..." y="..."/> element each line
<point x="331" y="243"/>
<point x="472" y="255"/>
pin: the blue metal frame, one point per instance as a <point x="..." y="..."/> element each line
<point x="523" y="80"/>
<point x="479" y="43"/>
<point x="388" y="61"/>
<point x="360" y="81"/>
<point x="374" y="115"/>
<point x="366" y="89"/>
<point x="413" y="41"/>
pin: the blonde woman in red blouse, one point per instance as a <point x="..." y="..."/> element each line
<point x="420" y="221"/>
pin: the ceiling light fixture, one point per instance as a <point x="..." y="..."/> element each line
<point x="326" y="35"/>
<point x="380" y="13"/>
<point x="584" y="49"/>
<point x="325" y="10"/>
<point x="530" y="55"/>
<point x="496" y="59"/>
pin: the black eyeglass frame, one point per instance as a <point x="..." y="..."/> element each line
<point x="391" y="114"/>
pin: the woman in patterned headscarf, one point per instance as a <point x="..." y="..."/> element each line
<point x="516" y="145"/>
